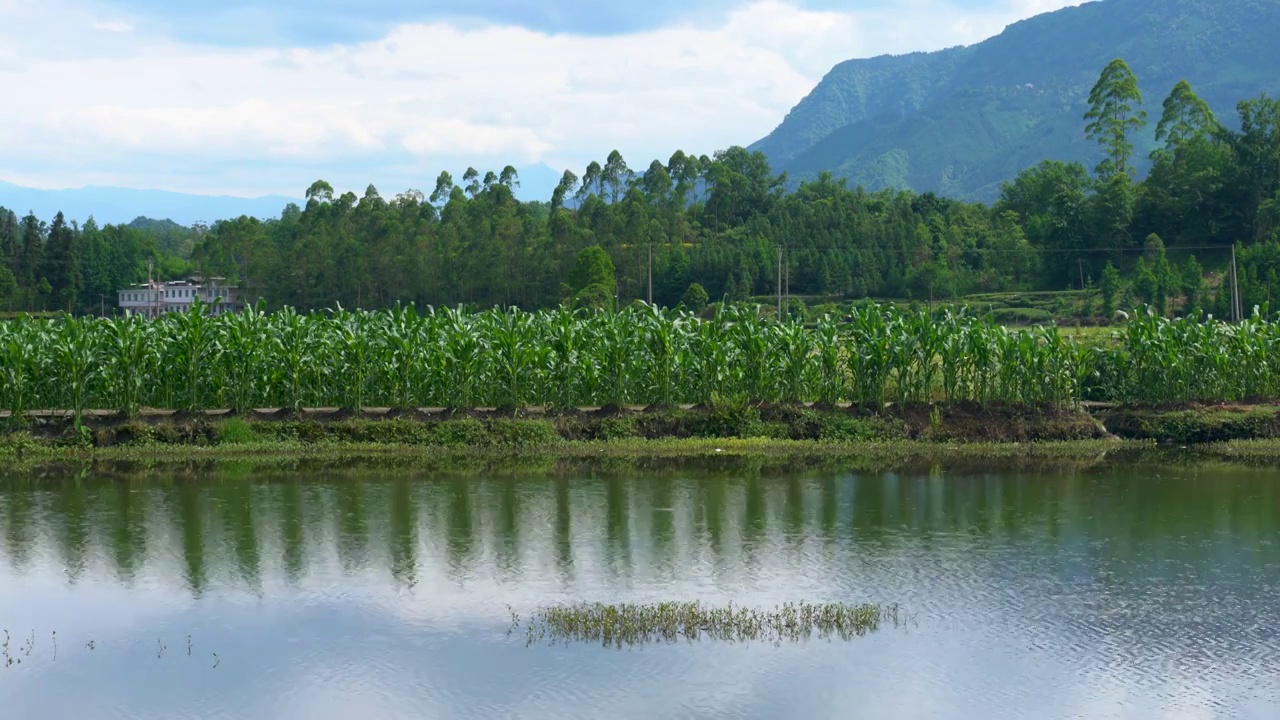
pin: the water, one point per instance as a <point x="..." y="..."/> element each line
<point x="1110" y="592"/>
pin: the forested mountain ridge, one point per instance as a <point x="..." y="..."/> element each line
<point x="961" y="121"/>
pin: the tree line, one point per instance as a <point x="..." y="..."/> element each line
<point x="697" y="227"/>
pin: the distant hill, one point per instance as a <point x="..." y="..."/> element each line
<point x="171" y="238"/>
<point x="962" y="120"/>
<point x="121" y="205"/>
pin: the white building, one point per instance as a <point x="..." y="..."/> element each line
<point x="154" y="298"/>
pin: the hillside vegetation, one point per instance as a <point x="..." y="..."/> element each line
<point x="697" y="230"/>
<point x="962" y="120"/>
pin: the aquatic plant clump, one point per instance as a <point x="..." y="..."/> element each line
<point x="668" y="622"/>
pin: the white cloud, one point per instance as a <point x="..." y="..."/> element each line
<point x="117" y="26"/>
<point x="425" y="95"/>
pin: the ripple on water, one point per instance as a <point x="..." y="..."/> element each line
<point x="1107" y="594"/>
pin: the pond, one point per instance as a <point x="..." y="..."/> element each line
<point x="1112" y="591"/>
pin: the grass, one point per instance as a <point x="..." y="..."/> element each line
<point x="746" y="438"/>
<point x="667" y="622"/>
<point x="530" y="429"/>
<point x="749" y="455"/>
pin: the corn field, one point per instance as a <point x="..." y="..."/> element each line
<point x="562" y="359"/>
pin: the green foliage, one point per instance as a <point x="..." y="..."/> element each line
<point x="235" y="431"/>
<point x="1021" y="315"/>
<point x="465" y="432"/>
<point x="593" y="297"/>
<point x="1185" y="117"/>
<point x="712" y="226"/>
<point x="514" y="360"/>
<point x="962" y="120"/>
<point x="522" y="433"/>
<point x="1115" y="114"/>
<point x="593" y="269"/>
<point x="1166" y="361"/>
<point x="1110" y="288"/>
<point x="695" y="298"/>
<point x="1206" y="425"/>
<point x="612" y="429"/>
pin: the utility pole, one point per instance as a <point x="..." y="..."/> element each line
<point x="786" y="280"/>
<point x="1080" y="264"/>
<point x="650" y="273"/>
<point x="779" y="283"/>
<point x="1237" y="312"/>
<point x="151" y="290"/>
<point x="102" y="305"/>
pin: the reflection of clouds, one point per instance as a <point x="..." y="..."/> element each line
<point x="1034" y="598"/>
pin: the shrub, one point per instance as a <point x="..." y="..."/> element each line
<point x="234" y="431"/>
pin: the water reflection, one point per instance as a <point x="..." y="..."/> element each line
<point x="1118" y="591"/>
<point x="641" y="526"/>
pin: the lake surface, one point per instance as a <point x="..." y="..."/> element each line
<point x="1107" y="592"/>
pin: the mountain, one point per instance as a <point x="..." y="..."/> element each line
<point x="121" y="205"/>
<point x="962" y="120"/>
<point x="537" y="182"/>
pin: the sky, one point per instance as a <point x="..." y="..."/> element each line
<point x="256" y="97"/>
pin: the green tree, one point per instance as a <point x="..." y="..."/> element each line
<point x="568" y="181"/>
<point x="62" y="263"/>
<point x="1192" y="281"/>
<point x="10" y="238"/>
<point x="593" y="267"/>
<point x="1110" y="287"/>
<point x="1255" y="148"/>
<point x="1166" y="280"/>
<point x="1115" y="114"/>
<point x="444" y="188"/>
<point x="1185" y="116"/>
<point x="1052" y="205"/>
<point x="472" y="179"/>
<point x="30" y="255"/>
<point x="1187" y="196"/>
<point x="594" y="297"/>
<point x="615" y="174"/>
<point x="695" y="298"/>
<point x="1145" y="283"/>
<point x="591" y="180"/>
<point x="8" y="287"/>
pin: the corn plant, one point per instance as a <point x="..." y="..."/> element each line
<point x="831" y="375"/>
<point x="76" y="356"/>
<point x="518" y="358"/>
<point x="128" y="358"/>
<point x="245" y="343"/>
<point x="190" y="343"/>
<point x="568" y="358"/>
<point x="567" y="371"/>
<point x="464" y="354"/>
<point x="19" y="364"/>
<point x="354" y="352"/>
<point x="792" y="346"/>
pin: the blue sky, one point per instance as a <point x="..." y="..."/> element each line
<point x="253" y="97"/>
<point x="321" y="22"/>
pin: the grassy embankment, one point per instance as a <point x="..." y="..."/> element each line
<point x="886" y="436"/>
